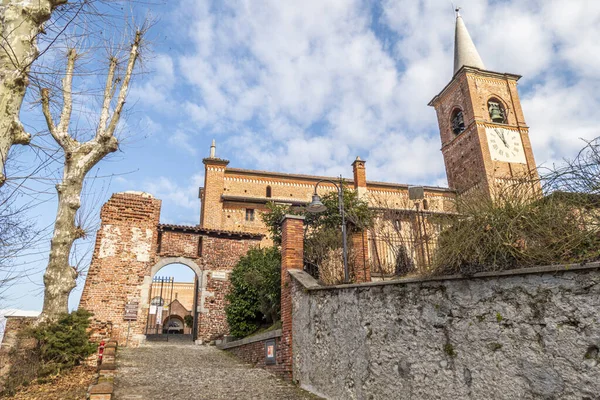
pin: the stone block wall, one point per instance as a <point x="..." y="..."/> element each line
<point x="212" y="320"/>
<point x="527" y="334"/>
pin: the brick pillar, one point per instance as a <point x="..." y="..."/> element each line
<point x="360" y="177"/>
<point x="292" y="256"/>
<point x="360" y="269"/>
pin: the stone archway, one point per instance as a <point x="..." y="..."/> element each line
<point x="146" y="287"/>
<point x="132" y="245"/>
<point x="163" y="262"/>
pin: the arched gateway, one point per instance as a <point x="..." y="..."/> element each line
<point x="132" y="245"/>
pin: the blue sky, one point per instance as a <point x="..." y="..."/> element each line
<point x="307" y="86"/>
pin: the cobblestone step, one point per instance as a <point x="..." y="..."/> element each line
<point x="163" y="370"/>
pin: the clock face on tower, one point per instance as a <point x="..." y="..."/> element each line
<point x="505" y="145"/>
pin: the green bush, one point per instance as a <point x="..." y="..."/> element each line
<point x="255" y="294"/>
<point x="189" y="321"/>
<point x="64" y="343"/>
<point x="49" y="349"/>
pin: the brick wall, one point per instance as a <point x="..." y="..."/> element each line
<point x="212" y="320"/>
<point x="360" y="268"/>
<point x="238" y="186"/>
<point x="178" y="244"/>
<point x="467" y="156"/>
<point x="221" y="253"/>
<point x="212" y="207"/>
<point x="125" y="249"/>
<point x="131" y="245"/>
<point x="252" y="351"/>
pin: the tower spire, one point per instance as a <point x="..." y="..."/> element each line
<point x="465" y="52"/>
<point x="213" y="148"/>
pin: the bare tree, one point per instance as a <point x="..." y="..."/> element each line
<point x="21" y="22"/>
<point x="578" y="175"/>
<point x="79" y="157"/>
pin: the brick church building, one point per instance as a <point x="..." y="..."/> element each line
<point x="484" y="143"/>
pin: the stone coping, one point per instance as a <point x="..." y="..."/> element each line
<point x="311" y="283"/>
<point x="251" y="339"/>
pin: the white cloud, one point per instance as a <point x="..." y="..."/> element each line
<point x="306" y="89"/>
<point x="155" y="92"/>
<point x="180" y="199"/>
<point x="181" y="140"/>
<point x="166" y="190"/>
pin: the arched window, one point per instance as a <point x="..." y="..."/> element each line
<point x="268" y="191"/>
<point x="496" y="110"/>
<point x="458" y="121"/>
<point x="157" y="301"/>
<point x="425" y="204"/>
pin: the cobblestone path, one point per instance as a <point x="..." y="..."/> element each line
<point x="185" y="371"/>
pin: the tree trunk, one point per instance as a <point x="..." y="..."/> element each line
<point x="60" y="277"/>
<point x="20" y="23"/>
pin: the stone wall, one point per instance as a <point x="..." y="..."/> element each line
<point x="13" y="346"/>
<point x="527" y="334"/>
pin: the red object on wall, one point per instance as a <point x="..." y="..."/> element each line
<point x="100" y="351"/>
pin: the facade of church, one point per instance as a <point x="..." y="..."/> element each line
<point x="485" y="144"/>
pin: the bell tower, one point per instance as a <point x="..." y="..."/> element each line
<point x="485" y="140"/>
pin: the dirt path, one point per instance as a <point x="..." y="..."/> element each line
<point x="186" y="371"/>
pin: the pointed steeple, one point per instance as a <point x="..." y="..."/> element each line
<point x="465" y="52"/>
<point x="213" y="149"/>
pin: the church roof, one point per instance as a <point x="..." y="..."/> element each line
<point x="465" y="52"/>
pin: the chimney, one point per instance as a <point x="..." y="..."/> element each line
<point x="360" y="177"/>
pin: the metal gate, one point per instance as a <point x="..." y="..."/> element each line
<point x="161" y="296"/>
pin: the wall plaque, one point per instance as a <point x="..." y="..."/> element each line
<point x="131" y="310"/>
<point x="220" y="275"/>
<point x="270" y="352"/>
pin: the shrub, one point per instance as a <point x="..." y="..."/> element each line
<point x="189" y="321"/>
<point x="49" y="348"/>
<point x="255" y="294"/>
<point x="513" y="231"/>
<point x="64" y="343"/>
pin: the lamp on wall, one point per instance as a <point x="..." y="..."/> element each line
<point x="317" y="206"/>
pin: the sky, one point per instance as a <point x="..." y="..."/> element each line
<point x="305" y="87"/>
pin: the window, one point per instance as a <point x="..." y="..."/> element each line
<point x="157" y="301"/>
<point x="425" y="204"/>
<point x="496" y="110"/>
<point x="249" y="214"/>
<point x="268" y="191"/>
<point x="458" y="121"/>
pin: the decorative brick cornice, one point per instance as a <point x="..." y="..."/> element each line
<point x="215" y="161"/>
<point x="209" y="232"/>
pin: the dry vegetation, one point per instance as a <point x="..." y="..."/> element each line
<point x="72" y="385"/>
<point x="521" y="228"/>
